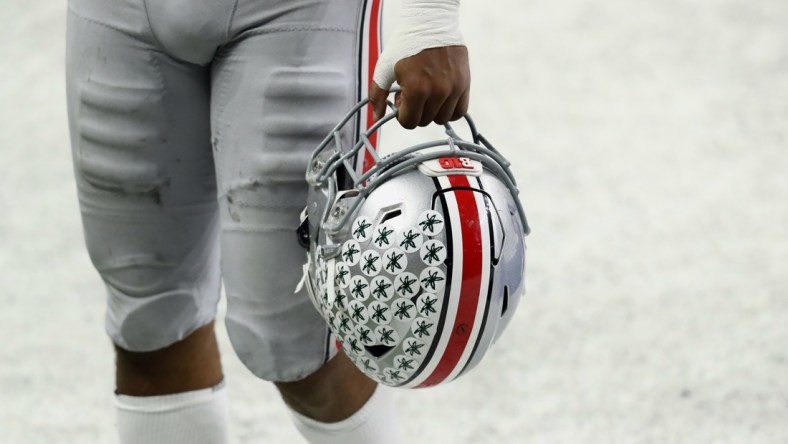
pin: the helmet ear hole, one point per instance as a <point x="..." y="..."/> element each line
<point x="505" y="301"/>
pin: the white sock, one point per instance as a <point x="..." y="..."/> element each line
<point x="198" y="417"/>
<point x="375" y="423"/>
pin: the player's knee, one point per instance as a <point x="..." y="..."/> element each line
<point x="277" y="338"/>
<point x="152" y="304"/>
<point x="157" y="321"/>
<point x="271" y="356"/>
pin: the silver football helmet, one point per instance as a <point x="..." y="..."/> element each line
<point x="417" y="264"/>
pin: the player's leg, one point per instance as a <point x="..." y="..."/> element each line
<point x="279" y="86"/>
<point x="332" y="393"/>
<point x="189" y="364"/>
<point x="339" y="405"/>
<point x="145" y="177"/>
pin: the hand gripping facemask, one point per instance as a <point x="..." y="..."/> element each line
<point x="418" y="264"/>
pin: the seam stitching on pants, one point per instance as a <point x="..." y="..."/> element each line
<point x="273" y="30"/>
<point x="96" y="22"/>
<point x="230" y="21"/>
<point x="160" y="75"/>
<point x="150" y="25"/>
<point x="220" y="106"/>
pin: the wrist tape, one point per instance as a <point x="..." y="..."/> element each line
<point x="423" y="24"/>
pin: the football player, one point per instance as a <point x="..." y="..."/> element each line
<point x="192" y="122"/>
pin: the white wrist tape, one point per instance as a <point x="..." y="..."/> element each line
<point x="423" y="24"/>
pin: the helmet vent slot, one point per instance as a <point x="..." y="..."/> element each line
<point x="505" y="302"/>
<point x="378" y="350"/>
<point x="391" y="215"/>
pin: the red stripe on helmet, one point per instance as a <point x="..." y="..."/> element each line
<point x="470" y="226"/>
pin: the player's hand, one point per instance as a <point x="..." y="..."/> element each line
<point x="434" y="87"/>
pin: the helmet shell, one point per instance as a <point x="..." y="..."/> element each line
<point x="424" y="278"/>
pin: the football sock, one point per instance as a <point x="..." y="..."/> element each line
<point x="374" y="423"/>
<point x="197" y="417"/>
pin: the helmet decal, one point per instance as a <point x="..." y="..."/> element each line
<point x="369" y="365"/>
<point x="410" y="240"/>
<point x="395" y="261"/>
<point x="427" y="305"/>
<point x="382" y="288"/>
<point x="358" y="312"/>
<point x="379" y="312"/>
<point x="433" y="252"/>
<point x="362" y="231"/>
<point x="387" y="335"/>
<point x="354" y="344"/>
<point x="406" y="284"/>
<point x="406" y="364"/>
<point x="432" y="279"/>
<point x="431" y="223"/>
<point x="337" y="297"/>
<point x="345" y="326"/>
<point x="413" y="347"/>
<point x="394" y="375"/>
<point x="342" y="278"/>
<point x="371" y="263"/>
<point x="423" y="327"/>
<point x="351" y="252"/>
<point x="404" y="309"/>
<point x="384" y="236"/>
<point x="364" y="334"/>
<point x="359" y="288"/>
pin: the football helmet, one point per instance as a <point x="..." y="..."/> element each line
<point x="417" y="264"/>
